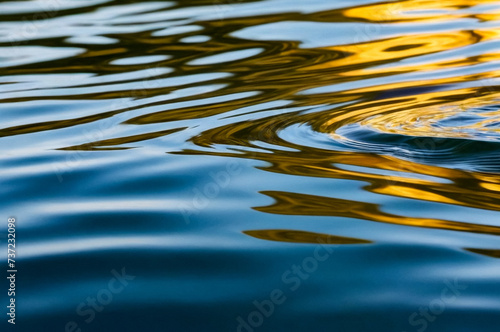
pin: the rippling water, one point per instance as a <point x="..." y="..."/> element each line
<point x="270" y="165"/>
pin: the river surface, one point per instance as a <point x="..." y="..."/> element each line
<point x="234" y="165"/>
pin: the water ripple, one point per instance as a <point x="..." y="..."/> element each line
<point x="210" y="147"/>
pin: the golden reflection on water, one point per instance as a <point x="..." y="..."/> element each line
<point x="109" y="143"/>
<point x="409" y="69"/>
<point x="486" y="252"/>
<point x="415" y="11"/>
<point x="420" y="116"/>
<point x="300" y="204"/>
<point x="286" y="235"/>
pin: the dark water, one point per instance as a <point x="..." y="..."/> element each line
<point x="271" y="165"/>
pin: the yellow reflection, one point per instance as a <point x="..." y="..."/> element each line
<point x="372" y="80"/>
<point x="491" y="186"/>
<point x="495" y="253"/>
<point x="287" y="203"/>
<point x="420" y="115"/>
<point x="287" y="235"/>
<point x="383" y="51"/>
<point x="110" y="144"/>
<point x="415" y="10"/>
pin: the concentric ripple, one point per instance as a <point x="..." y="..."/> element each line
<point x="462" y="136"/>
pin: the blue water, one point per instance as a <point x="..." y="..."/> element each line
<point x="245" y="166"/>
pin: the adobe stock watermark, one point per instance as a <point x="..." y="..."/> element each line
<point x="420" y="320"/>
<point x="293" y="279"/>
<point x="202" y="195"/>
<point x="369" y="32"/>
<point x="372" y="31"/>
<point x="224" y="6"/>
<point x="87" y="309"/>
<point x="428" y="144"/>
<point x="31" y="25"/>
<point x="73" y="160"/>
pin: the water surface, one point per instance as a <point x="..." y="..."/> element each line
<point x="269" y="165"/>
